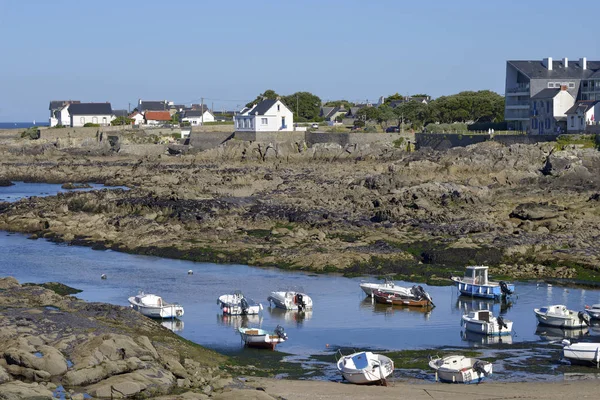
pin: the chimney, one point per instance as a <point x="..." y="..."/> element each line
<point x="548" y="63"/>
<point x="566" y="62"/>
<point x="583" y="63"/>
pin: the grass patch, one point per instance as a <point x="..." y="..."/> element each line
<point x="585" y="141"/>
<point x="56" y="287"/>
<point x="259" y="233"/>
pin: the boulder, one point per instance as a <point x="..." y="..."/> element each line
<point x="151" y="380"/>
<point x="17" y="390"/>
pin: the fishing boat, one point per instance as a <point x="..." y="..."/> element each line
<point x="561" y="317"/>
<point x="582" y="352"/>
<point x="154" y="306"/>
<point x="237" y="304"/>
<point x="460" y="369"/>
<point x="365" y="367"/>
<point x="418" y="298"/>
<point x="291" y="300"/>
<point x="254" y="337"/>
<point x="386" y="286"/>
<point x="484" y="322"/>
<point x="593" y="311"/>
<point x="476" y="283"/>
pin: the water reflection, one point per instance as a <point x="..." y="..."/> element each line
<point x="174" y="324"/>
<point x="495" y="306"/>
<point x="290" y="315"/>
<point x="476" y="338"/>
<point x="554" y="333"/>
<point x="389" y="309"/>
<point x="240" y="321"/>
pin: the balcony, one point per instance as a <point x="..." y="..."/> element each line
<point x="521" y="89"/>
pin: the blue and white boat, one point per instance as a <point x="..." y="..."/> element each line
<point x="476" y="283"/>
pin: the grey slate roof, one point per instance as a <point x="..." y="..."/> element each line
<point x="262" y="107"/>
<point x="546" y="94"/>
<point x="582" y="106"/>
<point x="90" y="109"/>
<point x="152" y="106"/>
<point x="536" y="69"/>
<point x="120" y="113"/>
<point x="58" y="104"/>
<point x="195" y="113"/>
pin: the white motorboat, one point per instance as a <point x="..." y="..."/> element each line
<point x="460" y="369"/>
<point x="365" y="367"/>
<point x="582" y="352"/>
<point x="484" y="322"/>
<point x="254" y="337"/>
<point x="237" y="304"/>
<point x="154" y="306"/>
<point x="291" y="300"/>
<point x="593" y="311"/>
<point x="387" y="286"/>
<point x="561" y="317"/>
<point x="476" y="283"/>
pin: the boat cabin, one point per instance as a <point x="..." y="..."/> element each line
<point x="482" y="315"/>
<point x="476" y="275"/>
<point x="149" y="300"/>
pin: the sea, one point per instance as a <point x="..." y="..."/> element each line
<point x="20" y="125"/>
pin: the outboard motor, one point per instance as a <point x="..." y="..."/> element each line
<point x="584" y="317"/>
<point x="479" y="367"/>
<point x="501" y="323"/>
<point x="280" y="332"/>
<point x="300" y="302"/>
<point x="504" y="289"/>
<point x="245" y="305"/>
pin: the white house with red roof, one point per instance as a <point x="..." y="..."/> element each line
<point x="157" y="117"/>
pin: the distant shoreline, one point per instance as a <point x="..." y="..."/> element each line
<point x="21" y="125"/>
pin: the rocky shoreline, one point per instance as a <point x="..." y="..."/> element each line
<point x="528" y="211"/>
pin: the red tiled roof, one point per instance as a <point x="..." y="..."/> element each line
<point x="158" y="115"/>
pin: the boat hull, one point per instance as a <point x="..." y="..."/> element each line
<point x="487" y="328"/>
<point x="377" y="368"/>
<point x="489" y="291"/>
<point x="594" y="311"/>
<point x="163" y="311"/>
<point x="258" y="338"/>
<point x="369" y="288"/>
<point x="563" y="322"/>
<point x="400" y="301"/>
<point x="458" y="369"/>
<point x="289" y="301"/>
<point x="582" y="353"/>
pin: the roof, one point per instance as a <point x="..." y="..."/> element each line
<point x="152" y="106"/>
<point x="546" y="94"/>
<point x="90" y="109"/>
<point x="195" y="113"/>
<point x="582" y="106"/>
<point x="536" y="69"/>
<point x="58" y="104"/>
<point x="120" y="113"/>
<point x="262" y="107"/>
<point x="158" y="115"/>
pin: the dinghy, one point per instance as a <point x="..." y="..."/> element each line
<point x="387" y="286"/>
<point x="154" y="306"/>
<point x="365" y="367"/>
<point x="291" y="300"/>
<point x="561" y="317"/>
<point x="582" y="352"/>
<point x="254" y="337"/>
<point x="460" y="369"/>
<point x="237" y="304"/>
<point x="484" y="322"/>
<point x="476" y="283"/>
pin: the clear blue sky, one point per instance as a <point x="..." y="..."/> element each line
<point x="230" y="51"/>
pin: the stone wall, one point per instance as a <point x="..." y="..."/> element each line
<point x="444" y="141"/>
<point x="360" y="138"/>
<point x="143" y="149"/>
<point x="208" y="140"/>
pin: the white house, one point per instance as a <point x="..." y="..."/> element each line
<point x="138" y="118"/>
<point x="197" y="117"/>
<point x="59" y="112"/>
<point x="157" y="117"/>
<point x="266" y="116"/>
<point x="548" y="111"/>
<point x="582" y="114"/>
<point x="94" y="113"/>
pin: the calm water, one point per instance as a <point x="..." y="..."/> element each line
<point x="342" y="316"/>
<point x="20" y="125"/>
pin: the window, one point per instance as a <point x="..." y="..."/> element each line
<point x="104" y="120"/>
<point x="571" y="85"/>
<point x="82" y="120"/>
<point x="572" y="121"/>
<point x="263" y="121"/>
<point x="94" y="120"/>
<point x="550" y="85"/>
<point x="548" y="106"/>
<point x="278" y="107"/>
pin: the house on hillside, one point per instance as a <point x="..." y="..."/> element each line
<point x="90" y="113"/>
<point x="197" y="117"/>
<point x="59" y="112"/>
<point x="157" y="117"/>
<point x="582" y="114"/>
<point x="525" y="79"/>
<point x="548" y="111"/>
<point x="266" y="116"/>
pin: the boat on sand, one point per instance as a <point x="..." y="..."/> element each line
<point x="365" y="367"/>
<point x="460" y="369"/>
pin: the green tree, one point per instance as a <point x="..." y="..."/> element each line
<point x="393" y="97"/>
<point x="121" y="120"/>
<point x="305" y="106"/>
<point x="385" y="114"/>
<point x="368" y="114"/>
<point x="338" y="103"/>
<point x="269" y="94"/>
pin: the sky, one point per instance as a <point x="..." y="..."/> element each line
<point x="228" y="52"/>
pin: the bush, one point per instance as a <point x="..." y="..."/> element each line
<point x="370" y="129"/>
<point x="31" y="133"/>
<point x="457" y="127"/>
<point x="59" y="126"/>
<point x="358" y="123"/>
<point x="91" y="125"/>
<point x="121" y="121"/>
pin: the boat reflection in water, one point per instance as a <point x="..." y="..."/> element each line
<point x="497" y="307"/>
<point x="290" y="315"/>
<point x="476" y="338"/>
<point x="239" y="321"/>
<point x="554" y="333"/>
<point x="390" y="309"/>
<point x="174" y="324"/>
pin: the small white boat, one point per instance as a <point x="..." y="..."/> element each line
<point x="291" y="300"/>
<point x="365" y="367"/>
<point x="582" y="352"/>
<point x="593" y="311"/>
<point x="237" y="304"/>
<point x="387" y="286"/>
<point x="476" y="283"/>
<point x="561" y="317"/>
<point x="154" y="306"/>
<point x="484" y="322"/>
<point x="460" y="369"/>
<point x="254" y="337"/>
